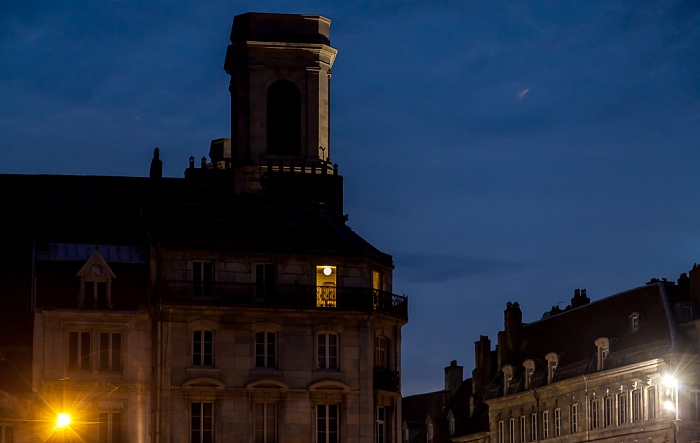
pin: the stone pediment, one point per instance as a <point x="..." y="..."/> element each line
<point x="96" y="269"/>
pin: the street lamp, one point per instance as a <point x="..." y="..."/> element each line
<point x="670" y="399"/>
<point x="62" y="420"/>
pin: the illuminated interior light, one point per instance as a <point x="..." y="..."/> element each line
<point x="327" y="270"/>
<point x="62" y="420"/>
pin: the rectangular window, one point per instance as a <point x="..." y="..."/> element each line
<point x="557" y="422"/>
<point x="609" y="416"/>
<point x="265" y="423"/>
<point x="265" y="280"/>
<point x="265" y="350"/>
<point x="622" y="408"/>
<point x="636" y="405"/>
<point x="202" y="348"/>
<point x="327" y="424"/>
<point x="595" y="413"/>
<point x="202" y="278"/>
<point x="545" y="425"/>
<point x="651" y="403"/>
<point x="109" y="427"/>
<point x="325" y="286"/>
<point x="380" y="425"/>
<point x="511" y="430"/>
<point x="110" y="351"/>
<point x="380" y="352"/>
<point x="523" y="432"/>
<point x="573" y="419"/>
<point x="327" y="351"/>
<point x="533" y="427"/>
<point x="501" y="432"/>
<point x="202" y="422"/>
<point x="79" y="350"/>
<point x="7" y="434"/>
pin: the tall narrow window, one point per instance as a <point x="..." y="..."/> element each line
<point x="529" y="366"/>
<point x="511" y="430"/>
<point x="533" y="427"/>
<point x="202" y="422"/>
<point x="636" y="405"/>
<point x="265" y="423"/>
<point x="79" y="350"/>
<point x="327" y="424"/>
<point x="507" y="378"/>
<point x="501" y="432"/>
<point x="380" y="352"/>
<point x="621" y="408"/>
<point x="595" y="413"/>
<point x="110" y="351"/>
<point x="7" y="434"/>
<point x="603" y="346"/>
<point x="634" y="322"/>
<point x="545" y="425"/>
<point x="557" y="422"/>
<point x="283" y="119"/>
<point x="552" y="363"/>
<point x="380" y="425"/>
<point x="651" y="403"/>
<point x="265" y="281"/>
<point x="327" y="351"/>
<point x="110" y="427"/>
<point x="573" y="419"/>
<point x="378" y="299"/>
<point x="523" y="431"/>
<point x="325" y="286"/>
<point x="202" y="278"/>
<point x="265" y="350"/>
<point x="609" y="416"/>
<point x="202" y="348"/>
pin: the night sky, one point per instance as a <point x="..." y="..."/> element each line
<point x="499" y="150"/>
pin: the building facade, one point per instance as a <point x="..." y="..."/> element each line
<point x="234" y="304"/>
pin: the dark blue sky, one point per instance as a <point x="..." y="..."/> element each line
<point x="499" y="150"/>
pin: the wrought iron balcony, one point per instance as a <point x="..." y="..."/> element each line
<point x="386" y="380"/>
<point x="291" y="296"/>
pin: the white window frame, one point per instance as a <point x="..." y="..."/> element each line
<point x="202" y="413"/>
<point x="110" y="352"/>
<point x="523" y="429"/>
<point x="266" y="422"/>
<point x="501" y="432"/>
<point x="110" y="428"/>
<point x="328" y="418"/>
<point x="595" y="413"/>
<point x="609" y="411"/>
<point x="266" y="349"/>
<point x="203" y="355"/>
<point x="557" y="422"/>
<point x="511" y="430"/>
<point x="534" y="435"/>
<point x="327" y="351"/>
<point x="573" y="418"/>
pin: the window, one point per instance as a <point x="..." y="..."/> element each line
<point x="545" y="425"/>
<point x="507" y="378"/>
<point x="557" y="422"/>
<point x="265" y="350"/>
<point x="110" y="351"/>
<point x="634" y="322"/>
<point x="327" y="351"/>
<point x="283" y="119"/>
<point x="265" y="281"/>
<point x="636" y="405"/>
<point x="603" y="345"/>
<point x="622" y="408"/>
<point x="325" y="286"/>
<point x="202" y="422"/>
<point x="202" y="348"/>
<point x="533" y="427"/>
<point x="695" y="404"/>
<point x="523" y="432"/>
<point x="687" y="312"/>
<point x="651" y="402"/>
<point x="377" y="287"/>
<point x="529" y="366"/>
<point x="381" y="352"/>
<point x="380" y="428"/>
<point x="595" y="413"/>
<point x="202" y="278"/>
<point x="452" y="423"/>
<point x="265" y="423"/>
<point x="79" y="350"/>
<point x="7" y="434"/>
<point x="327" y="424"/>
<point x="109" y="427"/>
<point x="552" y="362"/>
<point x="511" y="430"/>
<point x="501" y="432"/>
<point x="573" y="418"/>
<point x="609" y="412"/>
<point x="429" y="433"/>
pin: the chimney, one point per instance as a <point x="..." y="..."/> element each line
<point x="482" y="373"/>
<point x="579" y="298"/>
<point x="513" y="319"/>
<point x="454" y="376"/>
<point x="694" y="285"/>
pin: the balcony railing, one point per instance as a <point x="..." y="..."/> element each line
<point x="292" y="296"/>
<point x="386" y="380"/>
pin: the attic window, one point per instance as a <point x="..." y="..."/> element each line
<point x="507" y="378"/>
<point x="634" y="322"/>
<point x="603" y="345"/>
<point x="95" y="283"/>
<point x="529" y="366"/>
<point x="552" y="363"/>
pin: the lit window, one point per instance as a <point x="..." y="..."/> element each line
<point x="202" y="422"/>
<point x="265" y="350"/>
<point x="325" y="286"/>
<point x="110" y="427"/>
<point x="573" y="419"/>
<point x="634" y="322"/>
<point x="202" y="278"/>
<point x="327" y="425"/>
<point x="110" y="351"/>
<point x="381" y="352"/>
<point x="327" y="350"/>
<point x="79" y="350"/>
<point x="265" y="423"/>
<point x="202" y="348"/>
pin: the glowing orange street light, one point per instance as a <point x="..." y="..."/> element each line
<point x="62" y="420"/>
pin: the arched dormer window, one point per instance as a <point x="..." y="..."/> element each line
<point x="529" y="366"/>
<point x="634" y="322"/>
<point x="283" y="119"/>
<point x="552" y="363"/>
<point x="507" y="378"/>
<point x="603" y="346"/>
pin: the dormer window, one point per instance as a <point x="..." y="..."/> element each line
<point x="529" y="366"/>
<point x="95" y="283"/>
<point x="552" y="363"/>
<point x="507" y="378"/>
<point x="634" y="322"/>
<point x="603" y="345"/>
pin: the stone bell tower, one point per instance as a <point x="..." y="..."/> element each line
<point x="280" y="68"/>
